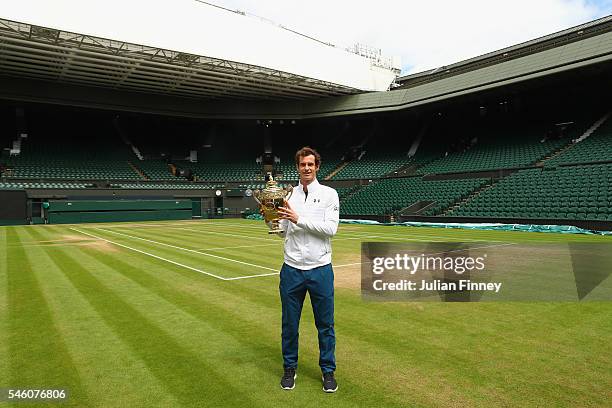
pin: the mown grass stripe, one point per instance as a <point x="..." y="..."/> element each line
<point x="475" y="345"/>
<point x="39" y="357"/>
<point x="250" y="329"/>
<point x="107" y="367"/>
<point x="191" y="332"/>
<point x="189" y="379"/>
<point x="368" y="320"/>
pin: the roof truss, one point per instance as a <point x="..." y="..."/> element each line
<point x="54" y="55"/>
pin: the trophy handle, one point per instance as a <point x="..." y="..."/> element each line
<point x="256" y="196"/>
<point x="289" y="190"/>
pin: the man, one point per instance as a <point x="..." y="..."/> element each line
<point x="309" y="219"/>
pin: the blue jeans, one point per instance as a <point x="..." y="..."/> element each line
<point x="319" y="283"/>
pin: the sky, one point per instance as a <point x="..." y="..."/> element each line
<point x="426" y="34"/>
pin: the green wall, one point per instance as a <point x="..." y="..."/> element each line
<point x="81" y="211"/>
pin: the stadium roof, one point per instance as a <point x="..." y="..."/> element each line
<point x="584" y="49"/>
<point x="59" y="56"/>
<point x="587" y="48"/>
<point x="554" y="40"/>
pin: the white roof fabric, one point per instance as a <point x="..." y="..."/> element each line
<point x="192" y="27"/>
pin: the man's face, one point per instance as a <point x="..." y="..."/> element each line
<point x="307" y="169"/>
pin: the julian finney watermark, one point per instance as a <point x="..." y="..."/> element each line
<point x="436" y="285"/>
<point x="477" y="271"/>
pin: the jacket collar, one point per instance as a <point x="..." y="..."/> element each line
<point x="312" y="187"/>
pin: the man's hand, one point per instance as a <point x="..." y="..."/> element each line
<point x="288" y="213"/>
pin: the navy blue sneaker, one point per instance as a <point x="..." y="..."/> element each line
<point x="288" y="380"/>
<point x="329" y="382"/>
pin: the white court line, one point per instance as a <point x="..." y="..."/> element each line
<point x="188" y="250"/>
<point x="225" y="233"/>
<point x="344" y="265"/>
<point x="154" y="256"/>
<point x="358" y="229"/>
<point x="131" y="225"/>
<point x="351" y="231"/>
<point x="188" y="223"/>
<point x="344" y="238"/>
<point x="417" y="237"/>
<point x="178" y="224"/>
<point x="260" y="226"/>
<point x="252" y="276"/>
<point x="191" y="250"/>
<point x="351" y="236"/>
<point x="240" y="246"/>
<point x="424" y="237"/>
<point x="176" y="263"/>
<point x="359" y="263"/>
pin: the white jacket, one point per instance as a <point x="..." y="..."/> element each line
<point x="307" y="243"/>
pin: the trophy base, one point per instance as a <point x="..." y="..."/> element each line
<point x="276" y="231"/>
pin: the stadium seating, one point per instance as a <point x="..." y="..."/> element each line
<point x="505" y="150"/>
<point x="166" y="186"/>
<point x="389" y="195"/>
<point x="595" y="148"/>
<point x="155" y="169"/>
<point x="239" y="170"/>
<point x="345" y="192"/>
<point x="69" y="157"/>
<point x="261" y="186"/>
<point x="373" y="165"/>
<point x="20" y="185"/>
<point x="580" y="192"/>
<point x="72" y="169"/>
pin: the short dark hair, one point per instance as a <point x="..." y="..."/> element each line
<point x="307" y="151"/>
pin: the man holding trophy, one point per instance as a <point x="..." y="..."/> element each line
<point x="306" y="219"/>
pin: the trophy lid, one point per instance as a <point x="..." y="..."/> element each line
<point x="271" y="184"/>
<point x="272" y="191"/>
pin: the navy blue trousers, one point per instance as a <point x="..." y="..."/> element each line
<point x="319" y="283"/>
